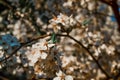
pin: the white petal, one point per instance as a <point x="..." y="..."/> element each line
<point x="43" y="55"/>
<point x="59" y="73"/>
<point x="68" y="77"/>
<point x="50" y="45"/>
<point x="42" y="40"/>
<point x="43" y="47"/>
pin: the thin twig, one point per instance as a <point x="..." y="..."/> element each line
<point x="5" y="4"/>
<point x="23" y="44"/>
<point x="100" y="67"/>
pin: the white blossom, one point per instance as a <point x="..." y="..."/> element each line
<point x="63" y="19"/>
<point x="37" y="51"/>
<point x="61" y="76"/>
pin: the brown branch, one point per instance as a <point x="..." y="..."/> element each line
<point x="98" y="64"/>
<point x="115" y="8"/>
<point x="23" y="44"/>
<point x="5" y="4"/>
<point x="106" y="2"/>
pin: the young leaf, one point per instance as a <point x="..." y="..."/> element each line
<point x="85" y="22"/>
<point x="53" y="38"/>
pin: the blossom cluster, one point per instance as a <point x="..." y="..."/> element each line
<point x="65" y="21"/>
<point x="38" y="51"/>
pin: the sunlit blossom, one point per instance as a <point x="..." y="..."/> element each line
<point x="62" y="76"/>
<point x="37" y="51"/>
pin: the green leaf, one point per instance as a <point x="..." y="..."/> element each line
<point x="85" y="22"/>
<point x="53" y="38"/>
